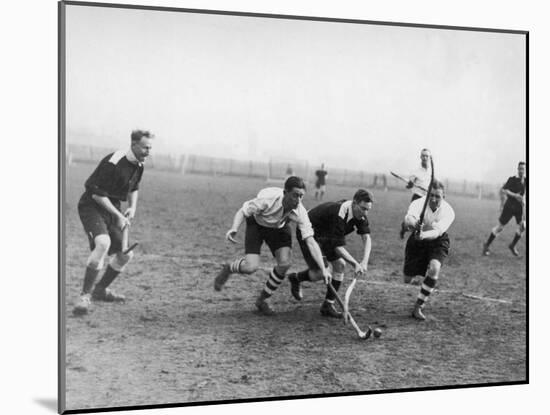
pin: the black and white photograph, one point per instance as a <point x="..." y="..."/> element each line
<point x="276" y="208"/>
<point x="261" y="207"/>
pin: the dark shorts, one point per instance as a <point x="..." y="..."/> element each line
<point x="418" y="254"/>
<point x="97" y="221"/>
<point x="509" y="212"/>
<point x="327" y="249"/>
<point x="275" y="238"/>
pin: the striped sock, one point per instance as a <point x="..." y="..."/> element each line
<point x="273" y="282"/>
<point x="426" y="289"/>
<point x="235" y="266"/>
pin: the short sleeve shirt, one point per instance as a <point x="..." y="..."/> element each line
<point x="335" y="220"/>
<point x="268" y="211"/>
<point x="115" y="177"/>
<point x="515" y="185"/>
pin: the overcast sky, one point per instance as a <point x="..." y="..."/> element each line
<point x="351" y="95"/>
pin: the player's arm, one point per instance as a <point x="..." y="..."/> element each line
<point x="317" y="256"/>
<point x="367" y="247"/>
<point x="237" y="220"/>
<point x="346" y="256"/>
<point x="439" y="227"/>
<point x="105" y="203"/>
<point x="130" y="212"/>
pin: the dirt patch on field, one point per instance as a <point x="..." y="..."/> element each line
<point x="175" y="340"/>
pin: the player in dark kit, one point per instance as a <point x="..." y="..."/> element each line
<point x="513" y="207"/>
<point x="115" y="180"/>
<point x="320" y="182"/>
<point x="331" y="222"/>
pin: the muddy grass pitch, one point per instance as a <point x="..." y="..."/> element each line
<point x="175" y="340"/>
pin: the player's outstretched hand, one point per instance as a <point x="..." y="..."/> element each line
<point x="359" y="270"/>
<point x="230" y="236"/>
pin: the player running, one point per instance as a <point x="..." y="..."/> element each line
<point x="428" y="245"/>
<point x="268" y="218"/>
<point x="332" y="221"/>
<point x="320" y="182"/>
<point x="513" y="206"/>
<point x="418" y="180"/>
<point x="115" y="180"/>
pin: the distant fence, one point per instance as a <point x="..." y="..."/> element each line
<point x="195" y="164"/>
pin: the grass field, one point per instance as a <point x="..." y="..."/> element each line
<point x="175" y="340"/>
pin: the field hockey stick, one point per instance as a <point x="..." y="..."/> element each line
<point x="125" y="240"/>
<point x="421" y="219"/>
<point x="346" y="300"/>
<point x="362" y="334"/>
<point x="407" y="181"/>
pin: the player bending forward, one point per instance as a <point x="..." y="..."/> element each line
<point x="428" y="245"/>
<point x="267" y="220"/>
<point x="115" y="180"/>
<point x="332" y="221"/>
<point x="513" y="207"/>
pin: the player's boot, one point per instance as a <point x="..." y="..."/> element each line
<point x="82" y="305"/>
<point x="486" y="251"/>
<point x="222" y="277"/>
<point x="513" y="249"/>
<point x="417" y="313"/>
<point x="295" y="287"/>
<point x="264" y="307"/>
<point x="105" y="294"/>
<point x="328" y="310"/>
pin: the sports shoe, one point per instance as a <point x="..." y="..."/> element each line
<point x="486" y="251"/>
<point x="417" y="313"/>
<point x="222" y="277"/>
<point x="513" y="250"/>
<point x="264" y="307"/>
<point x="295" y="288"/>
<point x="82" y="305"/>
<point x="328" y="310"/>
<point x="99" y="294"/>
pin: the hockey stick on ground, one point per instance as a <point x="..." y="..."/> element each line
<point x="362" y="334"/>
<point x="346" y="300"/>
<point x="407" y="181"/>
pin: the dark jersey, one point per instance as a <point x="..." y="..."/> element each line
<point x="114" y="177"/>
<point x="515" y="185"/>
<point x="334" y="220"/>
<point x="321" y="177"/>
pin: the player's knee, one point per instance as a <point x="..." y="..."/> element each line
<point x="433" y="268"/>
<point x="102" y="244"/>
<point x="339" y="265"/>
<point x="498" y="229"/>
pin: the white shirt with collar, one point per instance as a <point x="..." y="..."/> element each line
<point x="421" y="177"/>
<point x="267" y="209"/>
<point x="440" y="220"/>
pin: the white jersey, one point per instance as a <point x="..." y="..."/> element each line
<point x="421" y="177"/>
<point x="439" y="220"/>
<point x="267" y="209"/>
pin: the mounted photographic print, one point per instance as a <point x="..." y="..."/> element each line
<point x="258" y="207"/>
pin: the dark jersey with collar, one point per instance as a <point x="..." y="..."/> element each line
<point x="114" y="177"/>
<point x="334" y="220"/>
<point x="515" y="185"/>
